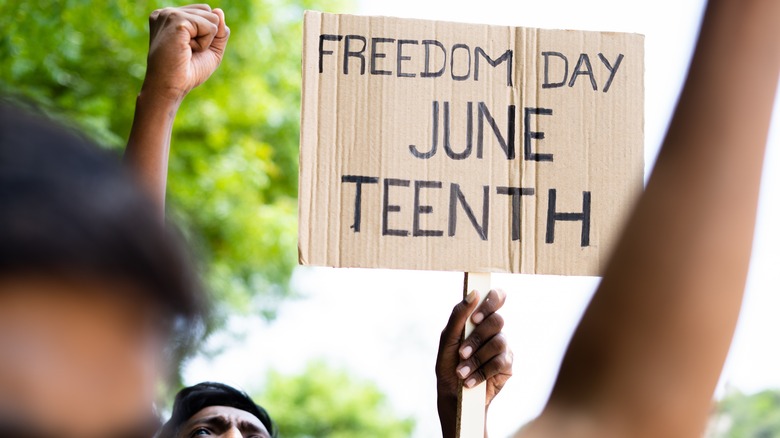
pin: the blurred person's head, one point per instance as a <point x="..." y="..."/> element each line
<point x="216" y="409"/>
<point x="94" y="289"/>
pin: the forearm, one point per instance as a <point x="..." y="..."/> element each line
<point x="651" y="345"/>
<point x="149" y="144"/>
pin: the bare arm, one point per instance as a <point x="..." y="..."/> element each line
<point x="648" y="352"/>
<point x="185" y="47"/>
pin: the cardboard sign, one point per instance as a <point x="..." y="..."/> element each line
<point x="445" y="146"/>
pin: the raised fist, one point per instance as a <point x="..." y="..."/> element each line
<point x="185" y="47"/>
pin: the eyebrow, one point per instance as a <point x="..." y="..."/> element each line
<point x="220" y="421"/>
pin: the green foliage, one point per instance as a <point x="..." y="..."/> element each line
<point x="233" y="170"/>
<point x="75" y="60"/>
<point x="324" y="402"/>
<point x="750" y="416"/>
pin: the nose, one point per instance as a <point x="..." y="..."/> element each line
<point x="233" y="432"/>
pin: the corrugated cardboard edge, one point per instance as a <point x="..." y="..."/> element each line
<point x="309" y="120"/>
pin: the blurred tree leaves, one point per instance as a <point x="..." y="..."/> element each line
<point x="748" y="416"/>
<point x="233" y="170"/>
<point x="326" y="402"/>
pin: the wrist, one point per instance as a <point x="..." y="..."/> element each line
<point x="152" y="97"/>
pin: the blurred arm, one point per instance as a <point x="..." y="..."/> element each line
<point x="649" y="350"/>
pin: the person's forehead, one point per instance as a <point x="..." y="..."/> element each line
<point x="230" y="413"/>
<point x="65" y="343"/>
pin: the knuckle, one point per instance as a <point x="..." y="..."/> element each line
<point x="502" y="362"/>
<point x="172" y="13"/>
<point x="500" y="341"/>
<point x="493" y="324"/>
<point x="474" y="362"/>
<point x="496" y="322"/>
<point x="510" y="359"/>
<point x="460" y="310"/>
<point x="475" y="340"/>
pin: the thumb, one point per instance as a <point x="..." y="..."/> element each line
<point x="453" y="331"/>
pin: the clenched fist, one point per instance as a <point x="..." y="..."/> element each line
<point x="186" y="45"/>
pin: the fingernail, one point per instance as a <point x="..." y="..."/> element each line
<point x="466" y="351"/>
<point x="471" y="296"/>
<point x="464" y="371"/>
<point x="471" y="383"/>
<point x="477" y="317"/>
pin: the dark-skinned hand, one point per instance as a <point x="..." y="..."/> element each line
<point x="483" y="357"/>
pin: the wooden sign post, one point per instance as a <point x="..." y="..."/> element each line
<point x="472" y="148"/>
<point x="471" y="401"/>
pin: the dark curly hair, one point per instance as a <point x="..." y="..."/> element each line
<point x="189" y="401"/>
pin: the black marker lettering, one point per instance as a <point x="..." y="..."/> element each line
<point x="387" y="207"/>
<point x="359" y="181"/>
<point x="469" y="132"/>
<point x="428" y="73"/>
<point x="547" y="83"/>
<point x="432" y="152"/>
<point x="612" y="69"/>
<point x="529" y="154"/>
<point x="423" y="209"/>
<point x="376" y="55"/>
<point x="553" y="216"/>
<point x="507" y="56"/>
<point x="587" y="71"/>
<point x="401" y="58"/>
<point x="508" y="143"/>
<point x="323" y="52"/>
<point x="452" y="62"/>
<point x="456" y="196"/>
<point x="355" y="54"/>
<point x="516" y="193"/>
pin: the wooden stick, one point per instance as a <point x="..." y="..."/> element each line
<point x="471" y="401"/>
